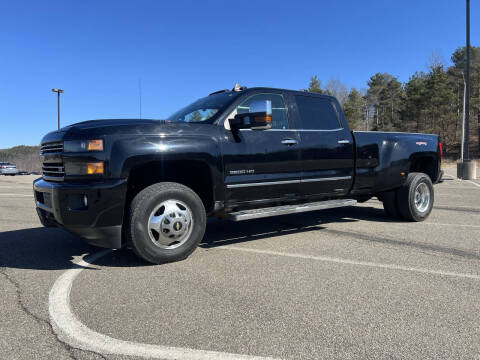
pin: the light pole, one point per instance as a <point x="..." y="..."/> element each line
<point x="58" y="91"/>
<point x="467" y="169"/>
<point x="466" y="157"/>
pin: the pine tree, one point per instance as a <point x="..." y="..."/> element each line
<point x="385" y="94"/>
<point x="415" y="102"/>
<point x="315" y="85"/>
<point x="354" y="109"/>
<point x="441" y="104"/>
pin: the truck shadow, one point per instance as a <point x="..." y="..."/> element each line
<point x="229" y="232"/>
<point x="55" y="249"/>
<point x="221" y="233"/>
<point x="41" y="249"/>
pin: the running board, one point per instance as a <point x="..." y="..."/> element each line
<point x="289" y="209"/>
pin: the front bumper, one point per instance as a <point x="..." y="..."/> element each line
<point x="98" y="220"/>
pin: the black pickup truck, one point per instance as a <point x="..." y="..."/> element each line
<point x="238" y="155"/>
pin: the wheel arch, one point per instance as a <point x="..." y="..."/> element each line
<point x="426" y="163"/>
<point x="195" y="174"/>
<point x="191" y="160"/>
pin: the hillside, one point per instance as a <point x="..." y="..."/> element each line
<point x="25" y="157"/>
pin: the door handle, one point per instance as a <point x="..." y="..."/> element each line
<point x="344" y="141"/>
<point x="289" y="141"/>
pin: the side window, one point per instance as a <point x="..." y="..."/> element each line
<point x="279" y="110"/>
<point x="316" y="113"/>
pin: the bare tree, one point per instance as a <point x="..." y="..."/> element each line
<point x="337" y="88"/>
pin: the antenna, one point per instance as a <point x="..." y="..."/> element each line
<point x="140" y="96"/>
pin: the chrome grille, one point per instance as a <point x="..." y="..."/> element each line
<point x="50" y="148"/>
<point x="56" y="170"/>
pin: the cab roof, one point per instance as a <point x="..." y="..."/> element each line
<point x="239" y="88"/>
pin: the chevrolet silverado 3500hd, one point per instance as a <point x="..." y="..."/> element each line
<point x="238" y="155"/>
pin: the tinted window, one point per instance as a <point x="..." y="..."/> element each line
<point x="316" y="113"/>
<point x="204" y="110"/>
<point x="279" y="110"/>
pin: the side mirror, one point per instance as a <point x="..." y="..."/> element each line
<point x="258" y="118"/>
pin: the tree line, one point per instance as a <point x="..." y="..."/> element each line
<point x="26" y="158"/>
<point x="430" y="101"/>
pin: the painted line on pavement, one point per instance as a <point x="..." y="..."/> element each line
<point x="444" y="224"/>
<point x="27" y="195"/>
<point x="355" y="262"/>
<point x="455" y="207"/>
<point x="74" y="333"/>
<point x="418" y="224"/>
<point x="473" y="182"/>
<point x="453" y="187"/>
<point x="25" y="187"/>
<point x="378" y="205"/>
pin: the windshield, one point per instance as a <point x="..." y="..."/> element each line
<point x="204" y="110"/>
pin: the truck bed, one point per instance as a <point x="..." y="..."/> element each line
<point x="382" y="157"/>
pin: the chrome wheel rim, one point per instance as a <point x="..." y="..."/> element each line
<point x="422" y="197"/>
<point x="170" y="224"/>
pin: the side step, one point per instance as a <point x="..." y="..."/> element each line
<point x="289" y="209"/>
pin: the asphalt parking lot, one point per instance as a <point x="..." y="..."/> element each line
<point x="339" y="284"/>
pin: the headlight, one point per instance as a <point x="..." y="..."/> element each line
<point x="82" y="145"/>
<point x="80" y="168"/>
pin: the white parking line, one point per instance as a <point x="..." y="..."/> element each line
<point x="473" y="182"/>
<point x="27" y="195"/>
<point x="416" y="223"/>
<point x="443" y="224"/>
<point x="26" y="187"/>
<point x="453" y="206"/>
<point x="460" y="180"/>
<point x="71" y="331"/>
<point x="451" y="187"/>
<point x="355" y="262"/>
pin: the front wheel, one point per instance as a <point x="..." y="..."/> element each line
<point x="415" y="198"/>
<point x="166" y="222"/>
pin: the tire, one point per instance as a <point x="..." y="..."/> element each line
<point x="166" y="222"/>
<point x="415" y="198"/>
<point x="390" y="204"/>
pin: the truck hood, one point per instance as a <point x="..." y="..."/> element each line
<point x="91" y="124"/>
<point x="98" y="128"/>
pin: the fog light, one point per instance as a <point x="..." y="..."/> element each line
<point x="95" y="168"/>
<point x="77" y="202"/>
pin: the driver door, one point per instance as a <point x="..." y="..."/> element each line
<point x="262" y="166"/>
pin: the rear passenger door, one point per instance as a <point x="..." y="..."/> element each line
<point x="326" y="146"/>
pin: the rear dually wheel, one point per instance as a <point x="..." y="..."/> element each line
<point x="415" y="198"/>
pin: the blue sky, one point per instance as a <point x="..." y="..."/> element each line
<point x="183" y="50"/>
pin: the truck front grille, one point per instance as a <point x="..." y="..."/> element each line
<point x="50" y="148"/>
<point x="52" y="167"/>
<point x="53" y="171"/>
